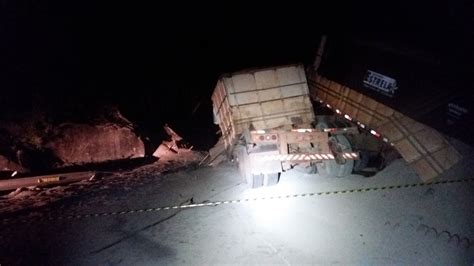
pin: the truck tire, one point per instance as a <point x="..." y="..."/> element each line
<point x="306" y="168"/>
<point x="340" y="167"/>
<point x="243" y="165"/>
<point x="257" y="180"/>
<point x="253" y="181"/>
<point x="272" y="179"/>
<point x="362" y="162"/>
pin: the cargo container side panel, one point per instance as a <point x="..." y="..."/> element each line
<point x="242" y="83"/>
<point x="301" y="114"/>
<point x="227" y="124"/>
<point x="217" y="102"/>
<point x="234" y="113"/>
<point x="272" y="107"/>
<point x="291" y="75"/>
<point x="298" y="104"/>
<point x="273" y="114"/>
<point x="247" y="113"/>
<point x="243" y="98"/>
<point x="294" y="90"/>
<point x="266" y="79"/>
<point x="269" y="98"/>
<point x="276" y="96"/>
<point x="236" y="86"/>
<point x="229" y="90"/>
<point x="269" y="94"/>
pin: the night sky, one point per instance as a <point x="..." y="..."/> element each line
<point x="158" y="61"/>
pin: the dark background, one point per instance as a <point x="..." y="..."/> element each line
<point x="159" y="62"/>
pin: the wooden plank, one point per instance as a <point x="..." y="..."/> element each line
<point x="44" y="180"/>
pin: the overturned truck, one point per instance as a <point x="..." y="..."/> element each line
<point x="268" y="125"/>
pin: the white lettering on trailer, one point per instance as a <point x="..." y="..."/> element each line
<point x="455" y="113"/>
<point x="381" y="83"/>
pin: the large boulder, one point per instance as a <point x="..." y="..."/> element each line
<point x="81" y="143"/>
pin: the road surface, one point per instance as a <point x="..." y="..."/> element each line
<point x="415" y="225"/>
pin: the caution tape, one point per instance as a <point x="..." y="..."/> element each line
<point x="226" y="202"/>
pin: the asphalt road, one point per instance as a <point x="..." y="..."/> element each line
<point x="419" y="225"/>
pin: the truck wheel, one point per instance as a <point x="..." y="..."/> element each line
<point x="272" y="179"/>
<point x="244" y="165"/>
<point x="362" y="162"/>
<point x="339" y="167"/>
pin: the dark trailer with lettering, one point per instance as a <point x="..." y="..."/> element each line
<point x="428" y="85"/>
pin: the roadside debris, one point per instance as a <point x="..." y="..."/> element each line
<point x="216" y="154"/>
<point x="174" y="143"/>
<point x="49" y="179"/>
<point x="45" y="180"/>
<point x="93" y="177"/>
<point x="30" y="195"/>
<point x="174" y="137"/>
<point x="20" y="192"/>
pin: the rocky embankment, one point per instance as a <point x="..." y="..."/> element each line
<point x="35" y="145"/>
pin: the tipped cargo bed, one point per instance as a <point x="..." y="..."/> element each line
<point x="269" y="98"/>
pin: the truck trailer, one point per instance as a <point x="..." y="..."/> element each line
<point x="268" y="126"/>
